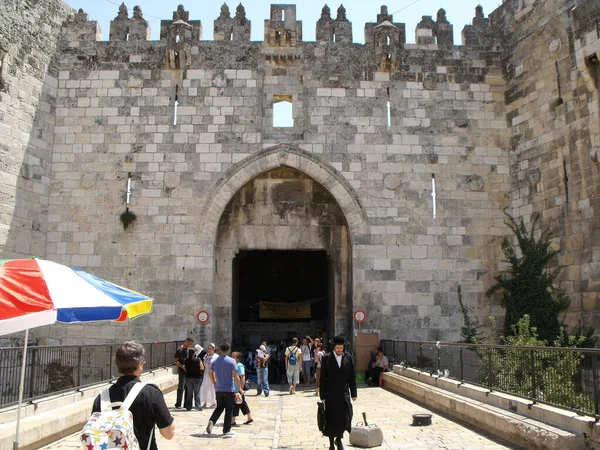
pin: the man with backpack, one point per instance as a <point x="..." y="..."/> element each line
<point x="148" y="408"/>
<point x="293" y="364"/>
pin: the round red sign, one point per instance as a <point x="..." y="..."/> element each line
<point x="203" y="316"/>
<point x="360" y="316"/>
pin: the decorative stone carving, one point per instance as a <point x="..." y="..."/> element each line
<point x="26" y="171"/>
<point x="123" y="12"/>
<point x="225" y="11"/>
<point x="88" y="180"/>
<point x="392" y="181"/>
<point x="81" y="16"/>
<point x="534" y="176"/>
<point x="475" y="183"/>
<point x="240" y="14"/>
<point x="172" y="180"/>
<point x="137" y="13"/>
<point x="135" y="81"/>
<point x="219" y="81"/>
<point x="555" y="45"/>
<point x="341" y="13"/>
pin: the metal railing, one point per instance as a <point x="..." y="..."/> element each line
<point x="563" y="377"/>
<point x="56" y="369"/>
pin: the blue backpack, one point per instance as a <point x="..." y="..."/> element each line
<point x="293" y="360"/>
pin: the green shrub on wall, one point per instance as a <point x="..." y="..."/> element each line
<point x="527" y="287"/>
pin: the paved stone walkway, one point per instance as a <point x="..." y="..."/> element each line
<point x="283" y="421"/>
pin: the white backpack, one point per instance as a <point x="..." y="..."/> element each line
<point x="113" y="429"/>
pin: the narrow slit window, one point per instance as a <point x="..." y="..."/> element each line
<point x="128" y="197"/>
<point x="283" y="15"/>
<point x="387" y="40"/>
<point x="433" y="195"/>
<point x="333" y="37"/>
<point x="177" y="38"/>
<point x="389" y="109"/>
<point x="566" y="179"/>
<point x="231" y="37"/>
<point x="175" y="105"/>
<point x="283" y="116"/>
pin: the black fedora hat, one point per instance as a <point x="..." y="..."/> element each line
<point x="338" y="340"/>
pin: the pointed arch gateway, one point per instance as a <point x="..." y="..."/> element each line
<point x="281" y="225"/>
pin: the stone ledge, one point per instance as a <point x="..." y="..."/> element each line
<point x="504" y="423"/>
<point x="58" y="416"/>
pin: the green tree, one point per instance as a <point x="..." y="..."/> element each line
<point x="540" y="373"/>
<point x="527" y="287"/>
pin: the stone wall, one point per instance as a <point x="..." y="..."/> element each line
<point x="550" y="59"/>
<point x="28" y="90"/>
<point x="190" y="122"/>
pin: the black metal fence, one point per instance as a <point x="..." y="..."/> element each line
<point x="55" y="369"/>
<point x="563" y="377"/>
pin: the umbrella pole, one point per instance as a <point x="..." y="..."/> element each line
<point x="21" y="383"/>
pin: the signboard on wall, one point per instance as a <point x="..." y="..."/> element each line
<point x="271" y="310"/>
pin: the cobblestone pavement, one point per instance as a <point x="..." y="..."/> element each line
<point x="284" y="421"/>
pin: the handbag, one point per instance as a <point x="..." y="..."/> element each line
<point x="321" y="420"/>
<point x="247" y="385"/>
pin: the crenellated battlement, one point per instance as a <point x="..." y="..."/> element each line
<point x="181" y="46"/>
<point x="283" y="30"/>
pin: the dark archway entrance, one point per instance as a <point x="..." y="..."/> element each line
<point x="279" y="294"/>
<point x="287" y="223"/>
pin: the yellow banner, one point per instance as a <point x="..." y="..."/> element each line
<point x="269" y="310"/>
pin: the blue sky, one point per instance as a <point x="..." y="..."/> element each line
<point x="459" y="13"/>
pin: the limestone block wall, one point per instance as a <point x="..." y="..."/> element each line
<point x="550" y="66"/>
<point x="28" y="90"/>
<point x="190" y="122"/>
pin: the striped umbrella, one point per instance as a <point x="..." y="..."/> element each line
<point x="36" y="292"/>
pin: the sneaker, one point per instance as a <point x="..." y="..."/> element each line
<point x="235" y="424"/>
<point x="258" y="393"/>
<point x="266" y="394"/>
<point x="209" y="427"/>
<point x="229" y="434"/>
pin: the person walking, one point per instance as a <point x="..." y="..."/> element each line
<point x="306" y="349"/>
<point x="193" y="379"/>
<point x="149" y="409"/>
<point x="223" y="374"/>
<point x="293" y="364"/>
<point x="320" y="351"/>
<point x="200" y="353"/>
<point x="207" y="390"/>
<point x="337" y="378"/>
<point x="262" y="370"/>
<point x="180" y="356"/>
<point x="243" y="406"/>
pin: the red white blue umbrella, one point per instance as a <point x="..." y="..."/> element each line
<point x="37" y="292"/>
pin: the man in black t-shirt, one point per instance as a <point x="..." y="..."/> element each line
<point x="180" y="357"/>
<point x="149" y="408"/>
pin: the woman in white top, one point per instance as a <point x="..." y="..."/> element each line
<point x="318" y="354"/>
<point x="207" y="390"/>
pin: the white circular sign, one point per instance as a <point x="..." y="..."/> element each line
<point x="203" y="316"/>
<point x="360" y="316"/>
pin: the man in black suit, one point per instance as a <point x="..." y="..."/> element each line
<point x="338" y="385"/>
